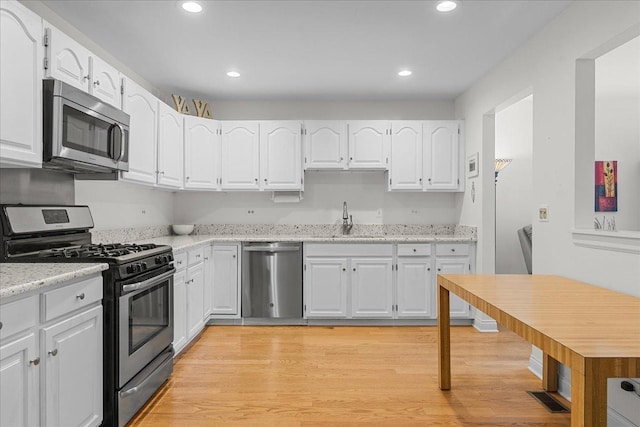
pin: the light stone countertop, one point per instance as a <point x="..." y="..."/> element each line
<point x="184" y="242"/>
<point x="19" y="278"/>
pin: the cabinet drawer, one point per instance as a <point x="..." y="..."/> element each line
<point x="71" y="297"/>
<point x="452" y="249"/>
<point x="195" y="255"/>
<point x="420" y="249"/>
<point x="18" y="316"/>
<point x="180" y="260"/>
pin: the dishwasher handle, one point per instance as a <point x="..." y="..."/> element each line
<point x="271" y="249"/>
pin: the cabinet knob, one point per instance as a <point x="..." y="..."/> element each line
<point x="187" y="178"/>
<point x="35" y="361"/>
<point x="256" y="179"/>
<point x="439" y="269"/>
<point x="354" y="269"/>
<point x="420" y="179"/>
<point x="453" y="250"/>
<point x="344" y="269"/>
<point x="428" y="269"/>
<point x="414" y="250"/>
<point x="341" y="158"/>
<point x="350" y="158"/>
<point x="265" y="180"/>
<point x="96" y="83"/>
<point x="206" y="258"/>
<point x="233" y="256"/>
<point x="429" y="179"/>
<point x="81" y="296"/>
<point x="54" y="352"/>
<point x="85" y="77"/>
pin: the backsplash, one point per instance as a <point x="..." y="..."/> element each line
<point x="129" y="234"/>
<point x="36" y="187"/>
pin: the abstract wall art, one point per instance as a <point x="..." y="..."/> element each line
<point x="606" y="186"/>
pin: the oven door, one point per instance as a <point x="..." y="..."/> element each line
<point x="145" y="324"/>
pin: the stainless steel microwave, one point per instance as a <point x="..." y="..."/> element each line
<point x="82" y="134"/>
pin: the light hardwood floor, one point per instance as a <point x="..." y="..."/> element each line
<point x="348" y="376"/>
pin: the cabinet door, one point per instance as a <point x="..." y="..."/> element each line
<point x="19" y="398"/>
<point x="179" y="310"/>
<point x="106" y="82"/>
<point x="405" y="170"/>
<point x="371" y="288"/>
<point x="325" y="144"/>
<point x="195" y="300"/>
<point x="368" y="144"/>
<point x="415" y="290"/>
<point x="202" y="153"/>
<point x="72" y="359"/>
<point x="21" y="56"/>
<point x="281" y="155"/>
<point x="170" y="146"/>
<point x="458" y="307"/>
<point x="225" y="280"/>
<point x="208" y="280"/>
<point x="143" y="109"/>
<point x="240" y="156"/>
<point x="441" y="154"/>
<point x="325" y="288"/>
<point x="68" y="60"/>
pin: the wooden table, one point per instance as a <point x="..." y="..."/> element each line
<point x="592" y="330"/>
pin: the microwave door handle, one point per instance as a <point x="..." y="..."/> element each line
<point x="122" y="141"/>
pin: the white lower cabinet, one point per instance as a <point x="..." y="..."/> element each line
<point x="348" y="281"/>
<point x="454" y="259"/>
<point x="325" y="288"/>
<point x="225" y="283"/>
<point x="179" y="310"/>
<point x="371" y="288"/>
<point x="415" y="288"/>
<point x="357" y="281"/>
<point x="19" y="401"/>
<point x="72" y="360"/>
<point x="195" y="299"/>
<point x="51" y="366"/>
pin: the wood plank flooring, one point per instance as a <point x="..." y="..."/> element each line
<point x="348" y="376"/>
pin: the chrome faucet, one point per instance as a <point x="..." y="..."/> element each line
<point x="347" y="220"/>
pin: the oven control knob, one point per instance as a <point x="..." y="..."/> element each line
<point x="158" y="260"/>
<point x="131" y="269"/>
<point x="170" y="257"/>
<point x="138" y="267"/>
<point x="144" y="265"/>
<point x="165" y="259"/>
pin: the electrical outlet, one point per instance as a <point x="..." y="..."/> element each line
<point x="415" y="211"/>
<point x="543" y="213"/>
<point x="379" y="213"/>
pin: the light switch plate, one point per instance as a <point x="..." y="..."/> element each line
<point x="543" y="213"/>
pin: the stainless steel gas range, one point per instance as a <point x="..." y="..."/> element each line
<point x="137" y="297"/>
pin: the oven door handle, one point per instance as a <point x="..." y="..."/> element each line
<point x="147" y="283"/>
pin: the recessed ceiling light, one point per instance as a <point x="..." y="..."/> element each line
<point x="192" y="7"/>
<point x="446" y="5"/>
<point x="405" y="73"/>
<point x="233" y="74"/>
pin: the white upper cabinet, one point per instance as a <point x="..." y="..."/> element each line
<point x="143" y="109"/>
<point x="281" y="155"/>
<point x="202" y="153"/>
<point x="240" y="156"/>
<point x="325" y="144"/>
<point x="170" y="147"/>
<point x="21" y="59"/>
<point x="368" y="144"/>
<point x="441" y="154"/>
<point x="106" y="82"/>
<point x="69" y="61"/>
<point x="405" y="170"/>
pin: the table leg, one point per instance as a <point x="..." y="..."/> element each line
<point x="444" y="338"/>
<point x="588" y="398"/>
<point x="549" y="373"/>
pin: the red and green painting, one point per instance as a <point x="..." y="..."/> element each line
<point x="607" y="186"/>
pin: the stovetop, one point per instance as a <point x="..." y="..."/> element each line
<point x="112" y="250"/>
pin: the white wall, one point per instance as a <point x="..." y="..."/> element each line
<point x="514" y="190"/>
<point x="547" y="65"/>
<point x="117" y="204"/>
<point x="365" y="193"/>
<point x="617" y="127"/>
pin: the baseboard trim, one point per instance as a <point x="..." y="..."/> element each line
<point x="485" y="325"/>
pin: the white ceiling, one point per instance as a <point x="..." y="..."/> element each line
<point x="314" y="49"/>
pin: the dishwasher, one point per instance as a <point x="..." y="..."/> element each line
<point x="272" y="280"/>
